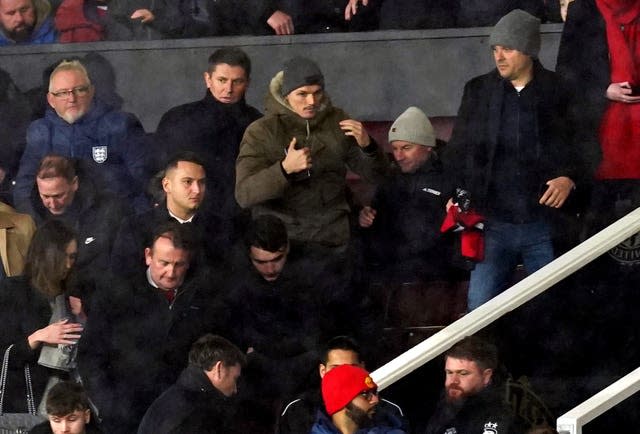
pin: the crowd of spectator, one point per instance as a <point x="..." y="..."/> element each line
<point x="48" y="21"/>
<point x="223" y="248"/>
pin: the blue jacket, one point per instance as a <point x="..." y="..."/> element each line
<point x="111" y="143"/>
<point x="44" y="31"/>
<point x="324" y="425"/>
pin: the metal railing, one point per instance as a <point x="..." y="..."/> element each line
<point x="510" y="299"/>
<point x="572" y="421"/>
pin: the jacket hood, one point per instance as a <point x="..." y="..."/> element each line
<point x="276" y="104"/>
<point x="43" y="10"/>
<point x="44" y="22"/>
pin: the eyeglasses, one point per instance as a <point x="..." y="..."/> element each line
<point x="76" y="91"/>
<point x="369" y="394"/>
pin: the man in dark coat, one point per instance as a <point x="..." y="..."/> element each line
<point x="402" y="225"/>
<point x="64" y="191"/>
<point x="509" y="150"/>
<point x="200" y="401"/>
<point x="141" y="328"/>
<point x="212" y="128"/>
<point x="184" y="185"/>
<point x="280" y="303"/>
<point x="472" y="401"/>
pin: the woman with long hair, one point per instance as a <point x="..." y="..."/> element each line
<point x="26" y="306"/>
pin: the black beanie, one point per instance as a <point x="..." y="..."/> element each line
<point x="298" y="72"/>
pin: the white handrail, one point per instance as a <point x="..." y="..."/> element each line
<point x="572" y="421"/>
<point x="510" y="299"/>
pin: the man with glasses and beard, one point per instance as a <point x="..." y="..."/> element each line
<point x="78" y="125"/>
<point x="350" y="398"/>
<point x="26" y="22"/>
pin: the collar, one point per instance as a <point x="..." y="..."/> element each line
<point x="181" y="221"/>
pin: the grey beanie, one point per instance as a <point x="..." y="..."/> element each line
<point x="519" y="30"/>
<point x="298" y="72"/>
<point x="413" y="126"/>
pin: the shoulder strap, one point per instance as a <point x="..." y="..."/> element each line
<point x="31" y="406"/>
<point x="3" y="376"/>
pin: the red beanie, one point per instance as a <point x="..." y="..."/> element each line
<point x="343" y="383"/>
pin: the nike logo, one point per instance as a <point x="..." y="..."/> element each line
<point x="89" y="240"/>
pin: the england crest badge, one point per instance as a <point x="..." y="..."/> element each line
<point x="99" y="154"/>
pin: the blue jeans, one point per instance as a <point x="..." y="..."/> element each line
<point x="505" y="244"/>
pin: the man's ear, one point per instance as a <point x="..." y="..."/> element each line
<point x="74" y="184"/>
<point x="214" y="373"/>
<point x="50" y="100"/>
<point x="165" y="184"/>
<point x="486" y="376"/>
<point x="207" y="79"/>
<point x="322" y="369"/>
<point x="87" y="416"/>
<point x="148" y="255"/>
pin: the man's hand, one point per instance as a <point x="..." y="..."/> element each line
<point x="356" y="130"/>
<point x="296" y="160"/>
<point x="366" y="217"/>
<point x="449" y="204"/>
<point x="281" y="23"/>
<point x="352" y="8"/>
<point x="144" y="15"/>
<point x="621" y="92"/>
<point x="557" y="191"/>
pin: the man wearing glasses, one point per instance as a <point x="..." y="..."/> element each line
<point x="77" y="125"/>
<point x="300" y="414"/>
<point x="350" y="398"/>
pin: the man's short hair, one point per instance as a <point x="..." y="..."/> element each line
<point x="476" y="349"/>
<point x="180" y="235"/>
<point x="345" y="343"/>
<point x="54" y="166"/>
<point x="267" y="232"/>
<point x="69" y="65"/>
<point x="188" y="156"/>
<point x="211" y="349"/>
<point x="231" y="56"/>
<point x="65" y="398"/>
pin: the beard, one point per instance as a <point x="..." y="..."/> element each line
<point x="458" y="397"/>
<point x="21" y="34"/>
<point x="360" y="417"/>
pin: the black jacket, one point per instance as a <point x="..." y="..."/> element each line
<point x="471" y="152"/>
<point x="583" y="67"/>
<point x="192" y="405"/>
<point x="136" y="343"/>
<point x="475" y="415"/>
<point x="136" y="233"/>
<point x="213" y="131"/>
<point x="285" y="321"/>
<point x="95" y="216"/>
<point x="405" y="238"/>
<point x="23" y="310"/>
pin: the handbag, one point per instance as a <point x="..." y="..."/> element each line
<point x="17" y="423"/>
<point x="61" y="357"/>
